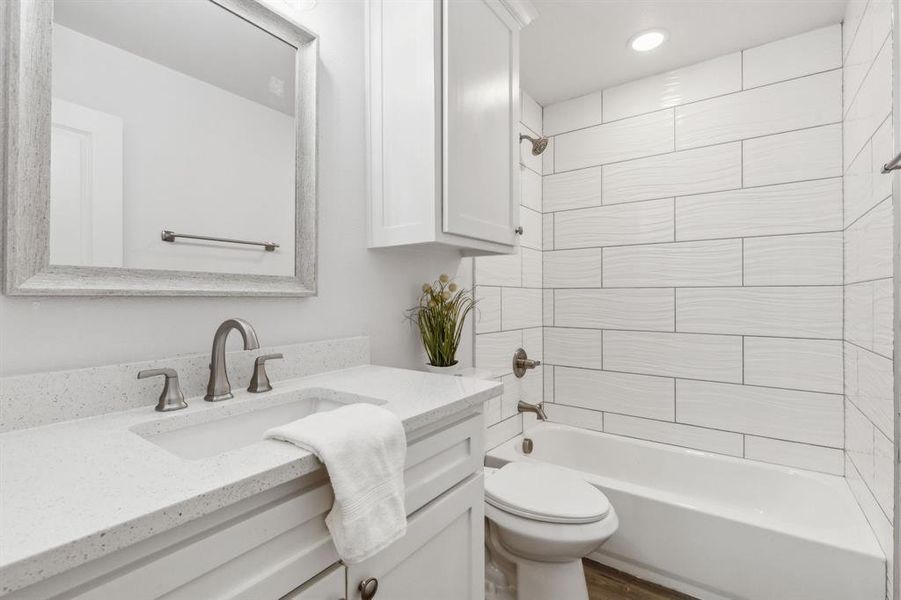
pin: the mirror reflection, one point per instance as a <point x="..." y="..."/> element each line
<point x="171" y="116"/>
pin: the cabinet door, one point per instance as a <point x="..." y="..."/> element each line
<point x="440" y="558"/>
<point x="480" y="124"/>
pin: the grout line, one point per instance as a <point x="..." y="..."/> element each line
<point x="713" y="381"/>
<point x="698" y="101"/>
<point x="711" y="145"/>
<point x="731" y="335"/>
<point x="697" y="241"/>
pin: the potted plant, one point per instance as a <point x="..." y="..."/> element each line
<point x="440" y="315"/>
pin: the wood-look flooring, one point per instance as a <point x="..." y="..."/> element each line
<point x="606" y="583"/>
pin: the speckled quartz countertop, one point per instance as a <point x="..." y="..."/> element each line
<point x="78" y="490"/>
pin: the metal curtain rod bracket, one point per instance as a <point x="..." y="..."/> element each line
<point x="892" y="165"/>
<point x="169" y="236"/>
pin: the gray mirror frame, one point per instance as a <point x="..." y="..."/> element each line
<point x="25" y="96"/>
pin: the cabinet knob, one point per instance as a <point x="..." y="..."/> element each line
<point x="518" y="230"/>
<point x="368" y="588"/>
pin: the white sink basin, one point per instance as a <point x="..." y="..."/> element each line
<point x="193" y="438"/>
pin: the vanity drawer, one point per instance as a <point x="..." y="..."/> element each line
<point x="260" y="554"/>
<point x="440" y="458"/>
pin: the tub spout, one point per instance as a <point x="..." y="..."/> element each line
<point x="538" y="409"/>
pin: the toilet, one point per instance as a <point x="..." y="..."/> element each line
<point x="540" y="522"/>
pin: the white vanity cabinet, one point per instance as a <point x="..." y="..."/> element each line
<point x="443" y="121"/>
<point x="275" y="544"/>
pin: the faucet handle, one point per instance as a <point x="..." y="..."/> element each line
<point x="259" y="382"/>
<point x="171" y="397"/>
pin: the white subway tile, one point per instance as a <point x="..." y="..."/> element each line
<point x="528" y="389"/>
<point x="531" y="267"/>
<point x="707" y="79"/>
<point x="547" y="306"/>
<point x="611" y="142"/>
<point x="637" y="395"/>
<point x="533" y="343"/>
<point x="879" y="523"/>
<point x="494" y="351"/>
<point x="805" y="207"/>
<point x="883" y="333"/>
<point x="529" y="189"/>
<point x="854" y="11"/>
<point x="812" y="365"/>
<point x="530" y="113"/>
<point x="576" y="113"/>
<point x="715" y="262"/>
<point x="873" y="394"/>
<point x="794" y="156"/>
<point x="808" y="259"/>
<point x="549" y="371"/>
<point x="712" y="357"/>
<point x="859" y="314"/>
<point x="874" y="27"/>
<point x="492" y="411"/>
<point x="814" y="312"/>
<point x="858" y="186"/>
<point x="634" y="223"/>
<point x="804" y="54"/>
<point x="572" y="268"/>
<point x="501" y="269"/>
<point x="487" y="313"/>
<point x="575" y="417"/>
<point x="810" y="417"/>
<point x="547" y="231"/>
<point x="871" y="105"/>
<point x="796" y="104"/>
<point x="531" y="224"/>
<point x="677" y="434"/>
<point x="868" y="245"/>
<point x="859" y="442"/>
<point x="575" y="189"/>
<point x="520" y="308"/>
<point x="794" y="454"/>
<point x="501" y="432"/>
<point x="676" y="174"/>
<point x="547" y="158"/>
<point x="884" y="472"/>
<point x="650" y="309"/>
<point x="573" y="347"/>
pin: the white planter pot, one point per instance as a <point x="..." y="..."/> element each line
<point x="443" y="370"/>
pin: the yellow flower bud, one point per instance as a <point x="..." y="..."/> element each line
<point x="426" y="287"/>
<point x="452" y="287"/>
<point x="443" y="278"/>
<point x="445" y="295"/>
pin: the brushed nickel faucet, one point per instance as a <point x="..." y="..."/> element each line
<point x="172" y="397"/>
<point x="538" y="409"/>
<point x="219" y="387"/>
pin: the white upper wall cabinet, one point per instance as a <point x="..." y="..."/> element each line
<point x="443" y="119"/>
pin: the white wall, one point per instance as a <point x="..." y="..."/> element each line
<point x="196" y="159"/>
<point x="868" y="221"/>
<point x="693" y="256"/>
<point x="360" y="291"/>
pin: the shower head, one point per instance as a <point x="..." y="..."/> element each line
<point x="538" y="144"/>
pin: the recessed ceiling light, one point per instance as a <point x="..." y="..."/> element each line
<point x="647" y="40"/>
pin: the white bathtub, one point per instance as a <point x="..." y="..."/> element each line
<point x="718" y="527"/>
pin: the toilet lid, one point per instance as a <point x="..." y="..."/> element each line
<point x="545" y="493"/>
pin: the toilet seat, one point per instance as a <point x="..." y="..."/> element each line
<point x="544" y="493"/>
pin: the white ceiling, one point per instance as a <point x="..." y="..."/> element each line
<point x="579" y="46"/>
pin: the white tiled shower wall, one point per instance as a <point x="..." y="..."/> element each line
<point x="693" y="256"/>
<point x="508" y="289"/>
<point x="867" y="222"/>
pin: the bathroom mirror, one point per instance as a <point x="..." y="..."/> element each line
<point x="158" y="148"/>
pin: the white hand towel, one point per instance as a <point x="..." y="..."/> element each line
<point x="363" y="447"/>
